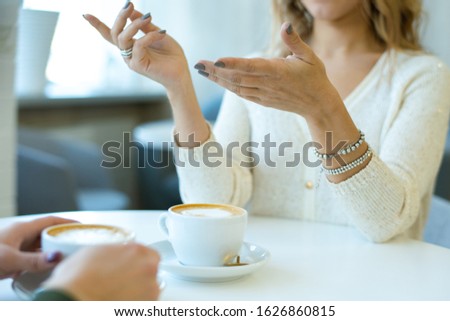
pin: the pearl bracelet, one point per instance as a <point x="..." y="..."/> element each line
<point x="343" y="151"/>
<point x="349" y="166"/>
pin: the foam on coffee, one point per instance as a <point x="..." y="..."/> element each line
<point x="203" y="212"/>
<point x="89" y="234"/>
<point x="207" y="210"/>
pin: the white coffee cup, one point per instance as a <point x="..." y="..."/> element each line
<point x="205" y="234"/>
<point x="69" y="238"/>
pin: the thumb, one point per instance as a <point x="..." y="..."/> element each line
<point x="295" y="44"/>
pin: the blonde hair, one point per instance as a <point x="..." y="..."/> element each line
<point x="394" y="23"/>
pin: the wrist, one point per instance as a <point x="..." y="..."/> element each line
<point x="327" y="106"/>
<point x="182" y="97"/>
<point x="73" y="287"/>
<point x="181" y="85"/>
<point x="189" y="121"/>
<point x="327" y="116"/>
<point x="334" y="120"/>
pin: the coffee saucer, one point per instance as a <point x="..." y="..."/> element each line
<point x="26" y="285"/>
<point x="252" y="254"/>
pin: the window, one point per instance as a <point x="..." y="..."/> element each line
<point x="81" y="62"/>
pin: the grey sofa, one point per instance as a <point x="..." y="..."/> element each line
<point x="56" y="174"/>
<point x="443" y="179"/>
<point x="158" y="181"/>
<point x="437" y="230"/>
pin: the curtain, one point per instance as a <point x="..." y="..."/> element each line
<point x="83" y="63"/>
<point x="8" y="18"/>
<point x="435" y="28"/>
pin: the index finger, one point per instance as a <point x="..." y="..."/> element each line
<point x="258" y="66"/>
<point x="28" y="231"/>
<point x="103" y="29"/>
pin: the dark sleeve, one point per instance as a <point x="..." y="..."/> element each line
<point x="52" y="295"/>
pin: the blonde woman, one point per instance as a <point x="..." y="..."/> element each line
<point x="348" y="75"/>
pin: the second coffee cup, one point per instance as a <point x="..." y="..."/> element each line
<point x="205" y="234"/>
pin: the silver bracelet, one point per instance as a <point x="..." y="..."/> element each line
<point x="349" y="166"/>
<point x="343" y="151"/>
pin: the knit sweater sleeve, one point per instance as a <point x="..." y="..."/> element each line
<point x="384" y="198"/>
<point x="218" y="171"/>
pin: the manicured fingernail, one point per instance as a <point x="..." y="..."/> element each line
<point x="127" y="4"/>
<point x="289" y="29"/>
<point x="146" y="16"/>
<point x="162" y="31"/>
<point x="205" y="74"/>
<point x="200" y="66"/>
<point x="53" y="257"/>
<point x="220" y="64"/>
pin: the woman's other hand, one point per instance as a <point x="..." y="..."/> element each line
<point x="19" y="244"/>
<point x="155" y="55"/>
<point x="159" y="57"/>
<point x="109" y="273"/>
<point x="297" y="83"/>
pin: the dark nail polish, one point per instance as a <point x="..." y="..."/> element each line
<point x="127" y="4"/>
<point x="162" y="31"/>
<point x="53" y="257"/>
<point x="220" y="64"/>
<point x="289" y="29"/>
<point x="146" y="16"/>
<point x="205" y="74"/>
<point x="200" y="66"/>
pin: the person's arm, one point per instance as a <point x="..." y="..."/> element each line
<point x="297" y="84"/>
<point x="384" y="199"/>
<point x="219" y="170"/>
<point x="158" y="56"/>
<point x="381" y="194"/>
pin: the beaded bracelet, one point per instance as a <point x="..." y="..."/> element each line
<point x="349" y="166"/>
<point x="343" y="151"/>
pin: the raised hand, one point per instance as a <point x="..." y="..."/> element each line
<point x="155" y="55"/>
<point x="297" y="83"/>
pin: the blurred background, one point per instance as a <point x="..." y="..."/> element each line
<point x="69" y="93"/>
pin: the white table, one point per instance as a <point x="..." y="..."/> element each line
<point x="310" y="261"/>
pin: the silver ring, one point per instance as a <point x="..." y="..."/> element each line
<point x="127" y="53"/>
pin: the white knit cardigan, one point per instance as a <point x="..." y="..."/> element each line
<point x="402" y="106"/>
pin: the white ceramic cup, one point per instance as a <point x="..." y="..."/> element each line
<point x="69" y="238"/>
<point x="205" y="234"/>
